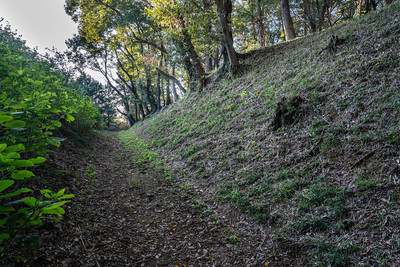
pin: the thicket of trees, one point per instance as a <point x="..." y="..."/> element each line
<point x="149" y="51"/>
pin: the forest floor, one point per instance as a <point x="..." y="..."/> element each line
<point x="128" y="214"/>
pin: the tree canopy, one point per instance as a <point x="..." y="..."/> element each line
<point x="152" y="51"/>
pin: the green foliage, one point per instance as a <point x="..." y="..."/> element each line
<point x="34" y="102"/>
<point x="18" y="212"/>
<point x="91" y="172"/>
<point x="328" y="254"/>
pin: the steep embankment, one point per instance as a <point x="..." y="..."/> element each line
<point x="326" y="185"/>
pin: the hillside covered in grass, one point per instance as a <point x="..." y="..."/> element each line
<point x="306" y="141"/>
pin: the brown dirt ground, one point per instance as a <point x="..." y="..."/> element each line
<point x="124" y="214"/>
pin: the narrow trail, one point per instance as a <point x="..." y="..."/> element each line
<point x="125" y="214"/>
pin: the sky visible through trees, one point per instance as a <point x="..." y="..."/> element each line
<point x="41" y="23"/>
<point x="149" y="53"/>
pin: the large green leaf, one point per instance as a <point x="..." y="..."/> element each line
<point x="5" y="118"/>
<point x="5" y="208"/>
<point x="67" y="196"/>
<point x="13" y="155"/>
<point x="4" y="184"/>
<point x="15" y="148"/>
<point x="30" y="201"/>
<point x="15" y="124"/>
<point x="69" y="118"/>
<point x="55" y="205"/>
<point x="57" y="211"/>
<point x="19" y="106"/>
<point x="60" y="193"/>
<point x="23" y="163"/>
<point x="38" y="160"/>
<point x="2" y="147"/>
<point x="15" y="193"/>
<point x="20" y="175"/>
<point x="46" y="192"/>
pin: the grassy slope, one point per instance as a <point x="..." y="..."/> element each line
<point x="330" y="181"/>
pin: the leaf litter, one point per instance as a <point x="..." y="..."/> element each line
<point x="129" y="215"/>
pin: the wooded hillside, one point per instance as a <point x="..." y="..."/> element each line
<point x="305" y="140"/>
<point x="152" y="52"/>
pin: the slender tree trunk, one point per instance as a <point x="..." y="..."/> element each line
<point x="159" y="85"/>
<point x="129" y="116"/>
<point x="131" y="87"/>
<point x="225" y="57"/>
<point x="176" y="96"/>
<point x="174" y="81"/>
<point x="146" y="108"/>
<point x="149" y="95"/>
<point x="162" y="92"/>
<point x="224" y="8"/>
<point x="142" y="111"/>
<point x="136" y="112"/>
<point x="322" y="13"/>
<point x="172" y="78"/>
<point x="287" y="21"/>
<point x="158" y="92"/>
<point x="310" y="16"/>
<point x="208" y="61"/>
<point x="360" y="5"/>
<point x="168" y="102"/>
<point x="260" y="24"/>
<point x="131" y="120"/>
<point x="216" y="58"/>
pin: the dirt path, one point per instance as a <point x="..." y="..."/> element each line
<point x="126" y="214"/>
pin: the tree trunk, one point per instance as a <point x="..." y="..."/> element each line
<point x="158" y="92"/>
<point x="176" y="96"/>
<point x="149" y="95"/>
<point x="163" y="92"/>
<point x="193" y="55"/>
<point x="359" y="8"/>
<point x="129" y="116"/>
<point x="168" y="102"/>
<point x="208" y="61"/>
<point x="136" y="112"/>
<point x="310" y="16"/>
<point x="146" y="108"/>
<point x="195" y="79"/>
<point x="142" y="111"/>
<point x="260" y="24"/>
<point x="287" y="21"/>
<point x="225" y="58"/>
<point x="159" y="86"/>
<point x="216" y="58"/>
<point x="224" y="8"/>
